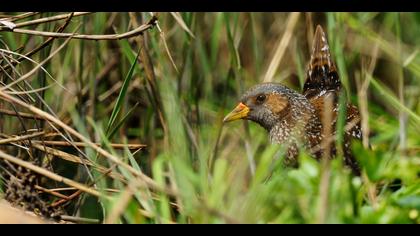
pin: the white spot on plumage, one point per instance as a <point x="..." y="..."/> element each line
<point x="322" y="93"/>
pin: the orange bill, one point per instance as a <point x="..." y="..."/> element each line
<point x="241" y="111"/>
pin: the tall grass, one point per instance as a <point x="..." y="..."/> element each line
<point x="170" y="87"/>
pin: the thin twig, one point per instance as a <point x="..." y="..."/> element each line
<point x="54" y="193"/>
<point x="75" y="159"/>
<point x="63" y="155"/>
<point x="27" y="92"/>
<point x="43" y="20"/>
<point x="72" y="189"/>
<point x="65" y="143"/>
<point x="79" y="219"/>
<point x="20" y="16"/>
<point x="162" y="36"/>
<point x="78" y="192"/>
<point x="81" y="144"/>
<point x="20" y="138"/>
<point x="35" y="69"/>
<point x="128" y="34"/>
<point x="43" y="45"/>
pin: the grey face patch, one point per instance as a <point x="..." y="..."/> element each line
<point x="268" y="117"/>
<point x="259" y="111"/>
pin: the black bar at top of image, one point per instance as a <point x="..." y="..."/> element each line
<point x="212" y="5"/>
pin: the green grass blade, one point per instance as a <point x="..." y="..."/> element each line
<point x="393" y="100"/>
<point x="121" y="122"/>
<point x="122" y="94"/>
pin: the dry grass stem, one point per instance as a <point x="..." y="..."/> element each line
<point x="281" y="48"/>
<point x="128" y="34"/>
<point x="43" y="20"/>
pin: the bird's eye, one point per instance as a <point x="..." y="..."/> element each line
<point x="261" y="98"/>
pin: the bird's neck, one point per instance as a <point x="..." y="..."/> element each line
<point x="289" y="129"/>
<point x="281" y="132"/>
<point x="301" y="125"/>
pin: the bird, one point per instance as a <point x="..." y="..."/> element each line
<point x="299" y="119"/>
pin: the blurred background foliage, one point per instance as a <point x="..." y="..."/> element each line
<point x="191" y="70"/>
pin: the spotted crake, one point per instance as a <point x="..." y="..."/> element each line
<point x="302" y="119"/>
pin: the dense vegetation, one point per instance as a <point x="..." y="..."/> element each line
<point x="80" y="101"/>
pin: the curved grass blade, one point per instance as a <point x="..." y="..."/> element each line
<point x="121" y="122"/>
<point x="122" y="94"/>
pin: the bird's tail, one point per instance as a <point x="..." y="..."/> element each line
<point x="322" y="73"/>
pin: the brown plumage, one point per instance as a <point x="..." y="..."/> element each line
<point x="297" y="119"/>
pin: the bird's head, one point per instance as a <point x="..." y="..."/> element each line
<point x="267" y="104"/>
